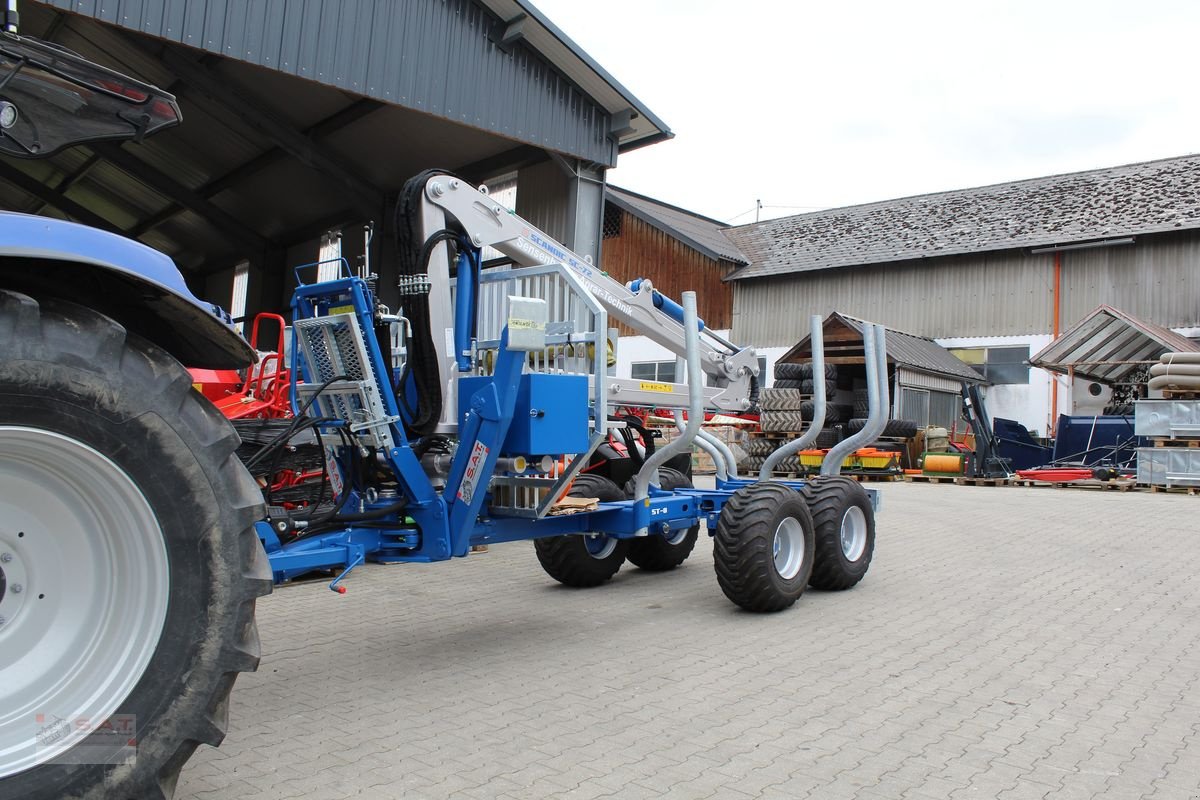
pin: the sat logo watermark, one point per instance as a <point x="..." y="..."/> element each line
<point x="110" y="741"/>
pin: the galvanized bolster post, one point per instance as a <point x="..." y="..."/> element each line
<point x="722" y="456"/>
<point x="704" y="442"/>
<point x="682" y="443"/>
<point x="704" y="437"/>
<point x="875" y="356"/>
<point x="817" y="338"/>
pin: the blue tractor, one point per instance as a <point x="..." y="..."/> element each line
<point x="134" y="541"/>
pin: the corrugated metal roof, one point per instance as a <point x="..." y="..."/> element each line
<point x="1108" y="345"/>
<point x="439" y="58"/>
<point x="903" y="350"/>
<point x="698" y="232"/>
<point x="268" y="158"/>
<point x="644" y="125"/>
<point x="1148" y="197"/>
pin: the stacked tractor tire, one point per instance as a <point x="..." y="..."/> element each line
<point x="787" y="408"/>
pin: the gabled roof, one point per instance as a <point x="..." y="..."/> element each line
<point x="698" y="232"/>
<point x="643" y="125"/>
<point x="1149" y="197"/>
<point x="1107" y="345"/>
<point x="903" y="349"/>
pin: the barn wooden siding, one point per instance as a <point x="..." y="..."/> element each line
<point x="643" y="251"/>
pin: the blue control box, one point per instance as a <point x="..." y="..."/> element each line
<point x="550" y="417"/>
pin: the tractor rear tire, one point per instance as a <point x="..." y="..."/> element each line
<point x="763" y="548"/>
<point x="656" y="552"/>
<point x="845" y="531"/>
<point x="124" y="505"/>
<point x="582" y="560"/>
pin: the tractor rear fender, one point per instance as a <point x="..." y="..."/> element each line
<point x="125" y="280"/>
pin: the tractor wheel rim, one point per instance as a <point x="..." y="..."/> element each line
<point x="599" y="546"/>
<point x="84" y="544"/>
<point x="854" y="533"/>
<point x="788" y="548"/>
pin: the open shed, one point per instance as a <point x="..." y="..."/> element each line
<point x="1108" y="346"/>
<point x="925" y="378"/>
<point x="300" y="118"/>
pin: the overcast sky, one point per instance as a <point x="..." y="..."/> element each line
<point x="810" y="105"/>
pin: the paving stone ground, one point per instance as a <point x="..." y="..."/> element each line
<point x="1007" y="643"/>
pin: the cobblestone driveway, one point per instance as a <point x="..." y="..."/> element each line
<point x="1007" y="643"/>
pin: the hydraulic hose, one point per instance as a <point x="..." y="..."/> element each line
<point x="413" y="252"/>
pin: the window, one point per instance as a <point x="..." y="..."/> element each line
<point x="241" y="282"/>
<point x="930" y="407"/>
<point x="997" y="364"/>
<point x="661" y="371"/>
<point x="612" y="221"/>
<point x="331" y="250"/>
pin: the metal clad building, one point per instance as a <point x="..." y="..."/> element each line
<point x="989" y="294"/>
<point x="967" y="263"/>
<point x="305" y="117"/>
<point x="983" y="269"/>
<point x="425" y="56"/>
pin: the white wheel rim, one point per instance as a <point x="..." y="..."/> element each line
<point x="599" y="545"/>
<point x="677" y="535"/>
<point x="788" y="548"/>
<point x="86" y="548"/>
<point x="854" y="533"/>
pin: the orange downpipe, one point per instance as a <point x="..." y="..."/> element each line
<point x="1057" y="304"/>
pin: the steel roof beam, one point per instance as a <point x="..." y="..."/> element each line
<point x="55" y="198"/>
<point x="295" y="236"/>
<point x="326" y="127"/>
<point x="64" y="186"/>
<point x="180" y="194"/>
<point x="252" y="112"/>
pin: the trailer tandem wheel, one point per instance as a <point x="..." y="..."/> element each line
<point x="659" y="553"/>
<point x="763" y="547"/>
<point x="845" y="531"/>
<point x="129" y="522"/>
<point x="583" y="560"/>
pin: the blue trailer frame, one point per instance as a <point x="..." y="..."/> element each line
<point x="436" y="526"/>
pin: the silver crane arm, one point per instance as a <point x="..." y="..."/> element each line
<point x="730" y="369"/>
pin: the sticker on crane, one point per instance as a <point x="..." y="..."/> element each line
<point x="526" y="325"/>
<point x="466" y="488"/>
<point x="648" y="386"/>
<point x="341" y="310"/>
<point x="335" y="476"/>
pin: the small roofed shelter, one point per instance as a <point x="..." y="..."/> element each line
<point x="925" y="379"/>
<point x="1108" y="346"/>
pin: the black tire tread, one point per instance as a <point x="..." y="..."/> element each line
<point x="53" y="340"/>
<point x="897" y="428"/>
<point x="654" y="553"/>
<point x="742" y="555"/>
<point x="827" y="497"/>
<point x="566" y="559"/>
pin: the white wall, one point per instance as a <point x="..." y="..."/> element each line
<point x="642" y="348"/>
<point x="1028" y="404"/>
<point x="632" y="349"/>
